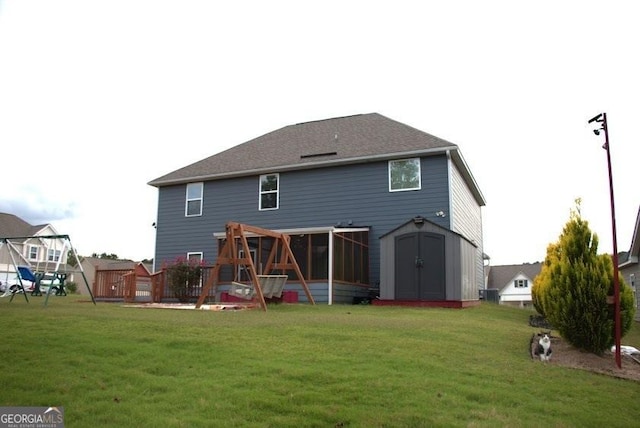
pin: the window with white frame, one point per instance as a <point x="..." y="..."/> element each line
<point x="404" y="175"/>
<point x="193" y="205"/>
<point x="33" y="252"/>
<point x="53" y="255"/>
<point x="195" y="259"/>
<point x="521" y="283"/>
<point x="269" y="195"/>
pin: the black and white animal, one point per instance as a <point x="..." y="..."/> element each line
<point x="544" y="348"/>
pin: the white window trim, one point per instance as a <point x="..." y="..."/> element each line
<point x="521" y="283"/>
<point x="187" y="200"/>
<point x="53" y="255"/>
<point x="277" y="192"/>
<point x="29" y="248"/>
<point x="419" y="175"/>
<point x="199" y="254"/>
<point x="194" y="253"/>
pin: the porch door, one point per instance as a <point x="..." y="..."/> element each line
<point x="419" y="266"/>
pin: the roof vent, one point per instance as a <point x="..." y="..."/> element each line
<point x="315" y="155"/>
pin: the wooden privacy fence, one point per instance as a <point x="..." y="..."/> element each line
<point x="129" y="286"/>
<point x="109" y="284"/>
<point x="125" y="284"/>
<point x="137" y="288"/>
<point x="161" y="289"/>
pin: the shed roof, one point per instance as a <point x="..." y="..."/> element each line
<point x="419" y="220"/>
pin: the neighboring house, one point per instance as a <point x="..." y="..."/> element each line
<point x="629" y="266"/>
<point x="513" y="282"/>
<point x="30" y="249"/>
<point x="336" y="186"/>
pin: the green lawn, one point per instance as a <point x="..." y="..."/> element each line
<point x="296" y="365"/>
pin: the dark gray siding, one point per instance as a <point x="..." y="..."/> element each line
<point x="356" y="194"/>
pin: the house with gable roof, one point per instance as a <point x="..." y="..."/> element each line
<point x="28" y="250"/>
<point x="513" y="282"/>
<point x="336" y="187"/>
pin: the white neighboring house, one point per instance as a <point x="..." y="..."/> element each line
<point x="39" y="254"/>
<point x="513" y="282"/>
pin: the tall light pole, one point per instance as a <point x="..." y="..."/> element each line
<point x="602" y="120"/>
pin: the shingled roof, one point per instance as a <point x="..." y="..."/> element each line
<point x="500" y="276"/>
<point x="13" y="226"/>
<point x="342" y="140"/>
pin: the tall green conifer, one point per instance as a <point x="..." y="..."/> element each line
<point x="572" y="288"/>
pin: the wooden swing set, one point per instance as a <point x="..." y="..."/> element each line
<point x="236" y="252"/>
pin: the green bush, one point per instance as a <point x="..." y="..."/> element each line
<point x="184" y="276"/>
<point x="71" y="287"/>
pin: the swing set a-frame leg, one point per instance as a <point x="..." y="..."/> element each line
<point x="15" y="266"/>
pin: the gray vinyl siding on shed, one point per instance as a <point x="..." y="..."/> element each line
<point x="466" y="218"/>
<point x="460" y="272"/>
<point x="349" y="195"/>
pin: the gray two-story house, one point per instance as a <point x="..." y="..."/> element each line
<point x="368" y="203"/>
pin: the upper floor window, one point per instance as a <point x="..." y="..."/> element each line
<point x="404" y="175"/>
<point x="33" y="252"/>
<point x="193" y="205"/>
<point x="53" y="255"/>
<point x="521" y="283"/>
<point x="269" y="195"/>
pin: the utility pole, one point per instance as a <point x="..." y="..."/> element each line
<point x="602" y="119"/>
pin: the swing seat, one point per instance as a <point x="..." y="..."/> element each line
<point x="272" y="285"/>
<point x="242" y="291"/>
<point x="26" y="275"/>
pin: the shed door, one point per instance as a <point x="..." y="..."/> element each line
<point x="420" y="266"/>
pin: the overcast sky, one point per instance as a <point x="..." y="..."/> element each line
<point x="97" y="98"/>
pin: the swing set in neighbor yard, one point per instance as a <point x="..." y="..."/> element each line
<point x="51" y="281"/>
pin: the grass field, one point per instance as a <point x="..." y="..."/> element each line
<point x="296" y="366"/>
